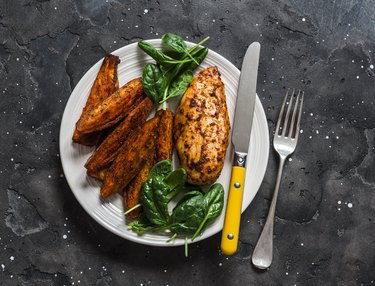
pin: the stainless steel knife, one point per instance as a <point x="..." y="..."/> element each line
<point x="243" y="121"/>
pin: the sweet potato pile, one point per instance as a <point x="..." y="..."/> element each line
<point x="128" y="145"/>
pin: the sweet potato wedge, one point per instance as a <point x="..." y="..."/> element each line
<point x="100" y="174"/>
<point x="110" y="147"/>
<point x="112" y="109"/>
<point x="133" y="190"/>
<point x="105" y="84"/>
<point x="133" y="155"/>
<point x="164" y="139"/>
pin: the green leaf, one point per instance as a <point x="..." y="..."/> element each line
<point x="171" y="73"/>
<point x="175" y="182"/>
<point x="154" y="201"/>
<point x="179" y="85"/>
<point x="141" y="225"/>
<point x="186" y="247"/>
<point x="186" y="216"/>
<point x="175" y="42"/>
<point x="159" y="56"/>
<point x="162" y="168"/>
<point x="153" y="82"/>
<point x="164" y="81"/>
<point x="160" y="199"/>
<point x="188" y="195"/>
<point x="213" y="202"/>
<point x="178" y="69"/>
<point x="197" y="45"/>
<point x="199" y="56"/>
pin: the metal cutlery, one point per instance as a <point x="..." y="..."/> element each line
<point x="243" y="121"/>
<point x="284" y="143"/>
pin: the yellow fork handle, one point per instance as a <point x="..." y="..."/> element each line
<point x="229" y="238"/>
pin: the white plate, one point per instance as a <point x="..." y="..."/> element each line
<point x="109" y="212"/>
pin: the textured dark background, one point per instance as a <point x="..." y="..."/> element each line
<point x="324" y="229"/>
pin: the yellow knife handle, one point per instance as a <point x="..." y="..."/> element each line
<point x="229" y="238"/>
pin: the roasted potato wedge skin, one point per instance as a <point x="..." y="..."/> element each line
<point x="164" y="139"/>
<point x="112" y="109"/>
<point x="134" y="154"/>
<point x="110" y="147"/>
<point x="134" y="189"/>
<point x="88" y="139"/>
<point x="100" y="174"/>
<point x="105" y="84"/>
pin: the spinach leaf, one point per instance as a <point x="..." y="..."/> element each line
<point x="179" y="85"/>
<point x="197" y="45"/>
<point x="213" y="202"/>
<point x="153" y="82"/>
<point x="177" y="44"/>
<point x="186" y="216"/>
<point x="142" y="224"/>
<point x="154" y="201"/>
<point x="199" y="55"/>
<point x="162" y="168"/>
<point x="173" y="72"/>
<point x="188" y="195"/>
<point x="192" y="212"/>
<point x="158" y="56"/>
<point x="160" y="187"/>
<point x="175" y="182"/>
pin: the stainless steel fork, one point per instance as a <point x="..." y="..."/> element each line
<point x="284" y="142"/>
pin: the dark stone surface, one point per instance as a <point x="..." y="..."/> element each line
<point x="324" y="47"/>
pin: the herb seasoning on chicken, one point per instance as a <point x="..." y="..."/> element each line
<point x="201" y="128"/>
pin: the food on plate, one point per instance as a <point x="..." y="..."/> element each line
<point x="99" y="174"/>
<point x="202" y="110"/>
<point x="163" y="151"/>
<point x="112" y="109"/>
<point x="134" y="157"/>
<point x="133" y="190"/>
<point x="105" y="84"/>
<point x="201" y="128"/>
<point x="110" y="147"/>
<point x="192" y="212"/>
<point x="131" y="158"/>
<point x="170" y="76"/>
<point x="164" y="139"/>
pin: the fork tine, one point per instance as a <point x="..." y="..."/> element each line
<point x="281" y="113"/>
<point x="299" y="116"/>
<point x="286" y="120"/>
<point x="292" y="122"/>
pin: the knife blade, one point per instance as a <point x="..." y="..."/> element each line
<point x="243" y="121"/>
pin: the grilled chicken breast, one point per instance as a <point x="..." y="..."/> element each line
<point x="201" y="128"/>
